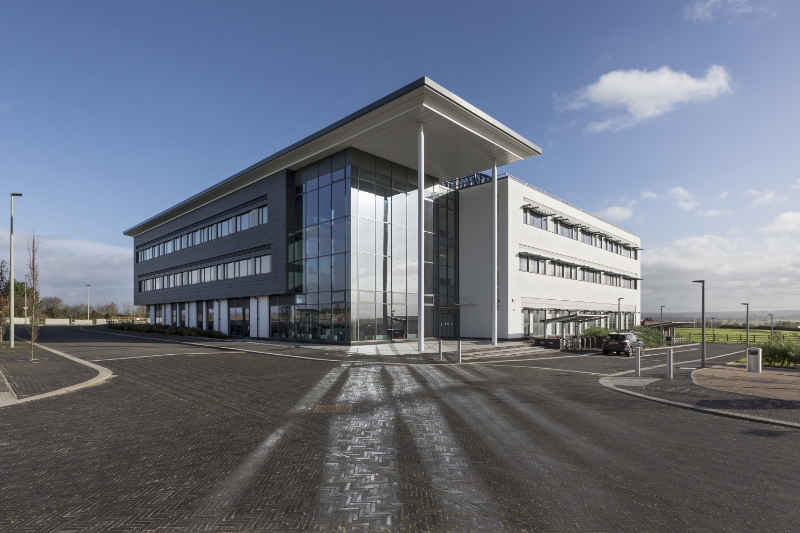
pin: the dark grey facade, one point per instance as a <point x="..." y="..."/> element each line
<point x="269" y="238"/>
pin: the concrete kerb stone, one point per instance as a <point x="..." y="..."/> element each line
<point x="103" y="375"/>
<point x="609" y="382"/>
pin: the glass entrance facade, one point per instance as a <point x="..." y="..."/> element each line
<point x="353" y="258"/>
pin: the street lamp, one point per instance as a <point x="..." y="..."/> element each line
<point x="661" y="319"/>
<point x="702" y="283"/>
<point x="771" y="326"/>
<point x="619" y="314"/>
<point x="11" y="274"/>
<point x="747" y="323"/>
<point x="88" y="299"/>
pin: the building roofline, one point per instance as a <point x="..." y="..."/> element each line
<point x="200" y="198"/>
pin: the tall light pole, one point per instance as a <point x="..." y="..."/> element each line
<point x="88" y="299"/>
<point x="661" y="318"/>
<point x="702" y="283"/>
<point x="11" y="274"/>
<point x="619" y="313"/>
<point x="771" y="327"/>
<point x="747" y="324"/>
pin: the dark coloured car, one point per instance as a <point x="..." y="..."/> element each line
<point x="620" y="343"/>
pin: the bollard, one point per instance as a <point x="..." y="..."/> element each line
<point x="459" y="351"/>
<point x="670" y="364"/>
<point x="754" y="360"/>
<point x="441" y="354"/>
<point x="638" y="361"/>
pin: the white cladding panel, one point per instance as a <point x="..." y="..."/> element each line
<point x="517" y="289"/>
<point x="192" y="314"/>
<point x="253" y="316"/>
<point x="167" y="314"/>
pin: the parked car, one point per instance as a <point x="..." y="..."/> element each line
<point x="620" y="343"/>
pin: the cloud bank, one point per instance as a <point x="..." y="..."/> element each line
<point x="646" y="94"/>
<point x="67" y="265"/>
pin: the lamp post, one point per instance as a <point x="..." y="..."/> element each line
<point x="747" y="324"/>
<point x="88" y="299"/>
<point x="713" y="334"/>
<point x="11" y="274"/>
<point x="619" y="313"/>
<point x="661" y="318"/>
<point x="702" y="283"/>
<point x="771" y="327"/>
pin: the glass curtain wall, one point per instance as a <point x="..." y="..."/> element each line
<point x="353" y="265"/>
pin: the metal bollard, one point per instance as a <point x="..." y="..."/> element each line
<point x="638" y="361"/>
<point x="459" y="351"/>
<point x="441" y="354"/>
<point x="670" y="364"/>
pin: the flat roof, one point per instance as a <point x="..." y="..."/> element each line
<point x="422" y="100"/>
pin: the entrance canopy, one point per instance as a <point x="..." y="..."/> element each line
<point x="459" y="139"/>
<point x="576" y="318"/>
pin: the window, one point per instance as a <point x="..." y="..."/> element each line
<point x="264" y="264"/>
<point x="230" y="271"/>
<point x="263" y="215"/>
<point x="523" y="263"/>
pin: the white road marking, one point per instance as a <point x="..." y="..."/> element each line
<point x="227" y="493"/>
<point x="156" y="355"/>
<point x="625" y="372"/>
<point x="548" y="368"/>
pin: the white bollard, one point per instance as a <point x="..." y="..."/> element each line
<point x="459" y="351"/>
<point x="638" y="361"/>
<point x="670" y="364"/>
<point x="441" y="354"/>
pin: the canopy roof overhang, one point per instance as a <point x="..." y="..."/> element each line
<point x="576" y="317"/>
<point x="459" y="139"/>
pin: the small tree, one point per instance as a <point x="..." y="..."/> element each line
<point x="33" y="280"/>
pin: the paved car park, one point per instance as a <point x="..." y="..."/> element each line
<point x="207" y="437"/>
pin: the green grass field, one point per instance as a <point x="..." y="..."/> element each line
<point x="735" y="336"/>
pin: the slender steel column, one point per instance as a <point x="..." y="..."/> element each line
<point x="11" y="279"/>
<point x="493" y="292"/>
<point x="421" y="237"/>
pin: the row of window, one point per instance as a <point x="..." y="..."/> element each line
<point x="554" y="268"/>
<point x="235" y="269"/>
<point x="229" y="226"/>
<point x="538" y="220"/>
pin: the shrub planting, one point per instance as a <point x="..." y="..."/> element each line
<point x="780" y="353"/>
<point x="167" y="330"/>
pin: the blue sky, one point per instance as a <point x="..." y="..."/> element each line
<point x="676" y="119"/>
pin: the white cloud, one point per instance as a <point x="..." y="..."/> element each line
<point x="788" y="221"/>
<point x="701" y="9"/>
<point x="646" y="94"/>
<point x="683" y="199"/>
<point x="760" y="197"/>
<point x="706" y="10"/>
<point x="760" y="270"/>
<point x="616" y="213"/>
<point x="796" y="184"/>
<point x="715" y="212"/>
<point x="67" y="265"/>
<point x="649" y="195"/>
<point x="723" y="195"/>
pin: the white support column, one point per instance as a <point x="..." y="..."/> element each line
<point x="152" y="314"/>
<point x="421" y="237"/>
<point x="167" y="320"/>
<point x="254" y="316"/>
<point x="205" y="314"/>
<point x="493" y="292"/>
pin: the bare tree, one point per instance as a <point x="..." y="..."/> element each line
<point x="33" y="290"/>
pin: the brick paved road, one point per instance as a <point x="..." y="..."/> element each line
<point x="211" y="440"/>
